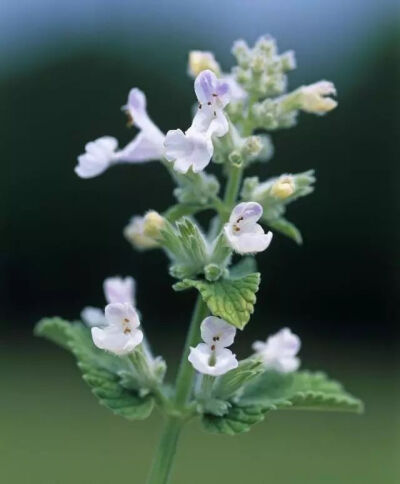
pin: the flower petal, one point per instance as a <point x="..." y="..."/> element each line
<point x="216" y="331"/>
<point x="119" y="290"/>
<point x="93" y="316"/>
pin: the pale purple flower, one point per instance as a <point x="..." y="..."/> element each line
<point x="243" y="233"/>
<point x="279" y="351"/>
<point x="213" y="95"/>
<point x="121" y="334"/>
<point x="118" y="289"/>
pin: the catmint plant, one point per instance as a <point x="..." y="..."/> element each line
<point x="234" y="114"/>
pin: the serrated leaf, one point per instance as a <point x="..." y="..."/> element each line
<point x="302" y="390"/>
<point x="239" y="419"/>
<point x="228" y="385"/>
<point x="230" y="299"/>
<point x="101" y="370"/>
<point x="54" y="329"/>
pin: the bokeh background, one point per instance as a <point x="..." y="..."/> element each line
<point x="66" y="68"/>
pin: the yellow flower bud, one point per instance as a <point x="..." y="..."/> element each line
<point x="314" y="98"/>
<point x="152" y="224"/>
<point x="200" y="60"/>
<point x="283" y="187"/>
<point x="134" y="233"/>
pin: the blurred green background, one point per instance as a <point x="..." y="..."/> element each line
<point x="67" y="67"/>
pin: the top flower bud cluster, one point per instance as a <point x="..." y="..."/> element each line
<point x="259" y="75"/>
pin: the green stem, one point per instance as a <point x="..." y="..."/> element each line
<point x="163" y="459"/>
<point x="184" y="380"/>
<point x="164" y="456"/>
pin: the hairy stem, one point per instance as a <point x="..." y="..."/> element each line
<point x="164" y="456"/>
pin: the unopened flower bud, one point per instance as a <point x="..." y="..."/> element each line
<point x="242" y="53"/>
<point x="153" y="222"/>
<point x="266" y="44"/>
<point x="213" y="272"/>
<point x="134" y="233"/>
<point x="283" y="187"/>
<point x="252" y="146"/>
<point x="315" y="97"/>
<point x="258" y="64"/>
<point x="200" y="60"/>
<point x="288" y="60"/>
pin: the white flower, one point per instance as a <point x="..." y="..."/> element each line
<point x="93" y="316"/>
<point x="98" y="156"/>
<point x="146" y="146"/>
<point x="118" y="289"/>
<point x="192" y="149"/>
<point x="212" y="357"/>
<point x="149" y="143"/>
<point x="135" y="234"/>
<point x="279" y="351"/>
<point x="243" y="233"/>
<point x="314" y="98"/>
<point x="121" y="335"/>
<point x="213" y="95"/>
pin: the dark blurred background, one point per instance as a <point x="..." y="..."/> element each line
<point x="66" y="70"/>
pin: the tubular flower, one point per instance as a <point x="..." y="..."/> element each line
<point x="146" y="146"/>
<point x="243" y="233"/>
<point x="121" y="334"/>
<point x="279" y="351"/>
<point x="212" y="357"/>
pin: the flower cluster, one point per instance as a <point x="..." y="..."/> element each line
<point x="229" y="107"/>
<point x="234" y="114"/>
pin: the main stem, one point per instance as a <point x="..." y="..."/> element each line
<point x="163" y="459"/>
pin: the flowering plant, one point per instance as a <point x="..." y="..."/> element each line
<point x="111" y="349"/>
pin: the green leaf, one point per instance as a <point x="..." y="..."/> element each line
<point x="302" y="390"/>
<point x="245" y="266"/>
<point x="54" y="329"/>
<point x="228" y="385"/>
<point x="239" y="419"/>
<point x="230" y="299"/>
<point x="186" y="246"/>
<point x="286" y="228"/>
<point x="101" y="370"/>
<point x="195" y="188"/>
